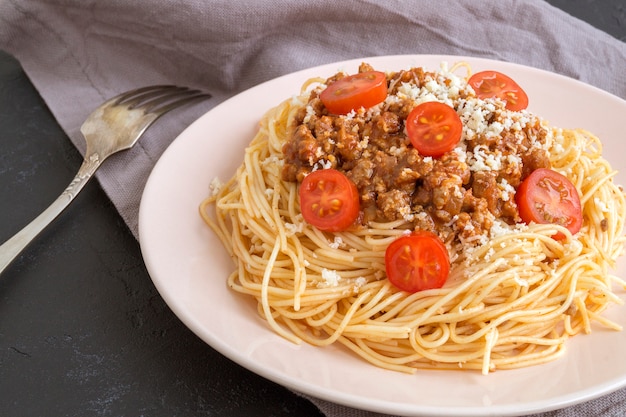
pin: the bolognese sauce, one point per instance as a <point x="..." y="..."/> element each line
<point x="457" y="195"/>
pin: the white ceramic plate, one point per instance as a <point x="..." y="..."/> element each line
<point x="189" y="266"/>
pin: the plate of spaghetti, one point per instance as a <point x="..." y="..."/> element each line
<point x="412" y="235"/>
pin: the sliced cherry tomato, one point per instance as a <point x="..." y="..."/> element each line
<point x="365" y="90"/>
<point x="329" y="200"/>
<point x="548" y="197"/>
<point x="492" y="84"/>
<point x="434" y="128"/>
<point x="417" y="262"/>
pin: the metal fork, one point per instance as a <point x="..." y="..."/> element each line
<point x="114" y="126"/>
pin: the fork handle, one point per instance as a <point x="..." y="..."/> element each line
<point x="15" y="245"/>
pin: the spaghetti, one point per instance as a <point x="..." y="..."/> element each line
<point x="514" y="294"/>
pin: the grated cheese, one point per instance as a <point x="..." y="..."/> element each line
<point x="480" y="159"/>
<point x="506" y="190"/>
<point x="331" y="277"/>
<point x="215" y="186"/>
<point x="601" y="205"/>
<point x="335" y="244"/>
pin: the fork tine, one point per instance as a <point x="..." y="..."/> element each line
<point x="160" y="99"/>
<point x="160" y="107"/>
<point x="140" y="92"/>
<point x="145" y="94"/>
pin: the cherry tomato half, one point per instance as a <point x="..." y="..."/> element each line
<point x="365" y="90"/>
<point x="434" y="128"/>
<point x="329" y="200"/>
<point x="547" y="197"/>
<point x="417" y="262"/>
<point x="492" y="84"/>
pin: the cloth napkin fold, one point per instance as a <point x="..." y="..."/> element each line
<point x="78" y="53"/>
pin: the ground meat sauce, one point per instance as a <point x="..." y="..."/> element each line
<point x="458" y="195"/>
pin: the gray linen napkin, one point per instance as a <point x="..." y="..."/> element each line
<point x="79" y="53"/>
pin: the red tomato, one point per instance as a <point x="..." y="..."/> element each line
<point x="490" y="84"/>
<point x="365" y="90"/>
<point x="548" y="197"/>
<point x="417" y="262"/>
<point x="329" y="200"/>
<point x="434" y="128"/>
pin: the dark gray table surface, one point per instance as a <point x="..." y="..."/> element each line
<point x="83" y="331"/>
